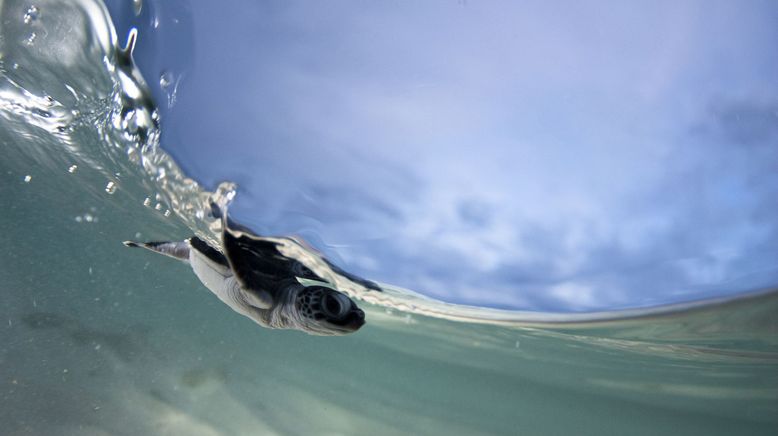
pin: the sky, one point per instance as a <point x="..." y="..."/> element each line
<point x="559" y="156"/>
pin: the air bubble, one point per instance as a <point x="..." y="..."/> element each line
<point x="72" y="169"/>
<point x="165" y="79"/>
<point x="32" y="14"/>
<point x="27" y="178"/>
<point x="110" y="187"/>
<point x="130" y="122"/>
<point x="31" y="39"/>
<point x="147" y="202"/>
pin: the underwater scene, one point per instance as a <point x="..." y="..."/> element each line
<point x="263" y="324"/>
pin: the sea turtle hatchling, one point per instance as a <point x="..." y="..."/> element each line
<point x="256" y="280"/>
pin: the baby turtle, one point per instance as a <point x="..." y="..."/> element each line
<point x="256" y="280"/>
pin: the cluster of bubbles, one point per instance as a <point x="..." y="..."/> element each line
<point x="31" y="14"/>
<point x="88" y="217"/>
<point x="30" y="17"/>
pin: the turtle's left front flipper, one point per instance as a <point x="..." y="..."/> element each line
<point x="256" y="262"/>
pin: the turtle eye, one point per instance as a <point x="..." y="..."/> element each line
<point x="335" y="305"/>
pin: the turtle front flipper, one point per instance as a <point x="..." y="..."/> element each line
<point x="256" y="263"/>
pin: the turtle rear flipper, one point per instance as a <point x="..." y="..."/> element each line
<point x="177" y="250"/>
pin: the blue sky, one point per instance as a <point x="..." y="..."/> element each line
<point x="541" y="155"/>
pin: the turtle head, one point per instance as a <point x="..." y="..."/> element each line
<point x="325" y="311"/>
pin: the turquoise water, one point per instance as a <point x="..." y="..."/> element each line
<point x="101" y="340"/>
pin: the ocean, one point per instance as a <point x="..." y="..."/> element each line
<point x="98" y="339"/>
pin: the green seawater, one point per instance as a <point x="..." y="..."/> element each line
<point x="98" y="339"/>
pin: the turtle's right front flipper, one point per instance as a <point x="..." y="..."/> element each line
<point x="177" y="250"/>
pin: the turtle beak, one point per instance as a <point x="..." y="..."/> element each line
<point x="357" y="319"/>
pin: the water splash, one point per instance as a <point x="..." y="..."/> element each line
<point x="79" y="96"/>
